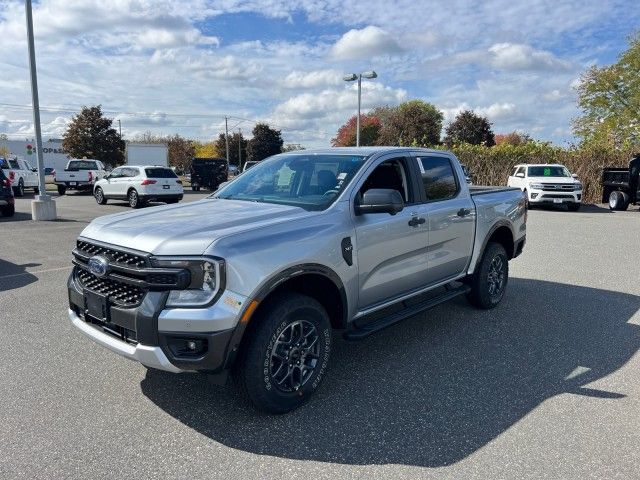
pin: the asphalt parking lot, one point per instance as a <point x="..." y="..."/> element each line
<point x="545" y="386"/>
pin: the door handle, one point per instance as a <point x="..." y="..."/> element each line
<point x="463" y="212"/>
<point x="415" y="221"/>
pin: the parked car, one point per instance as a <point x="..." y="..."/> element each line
<point x="616" y="190"/>
<point x="249" y="164"/>
<point x="208" y="173"/>
<point x="79" y="175"/>
<point x="139" y="185"/>
<point x="21" y="174"/>
<point x="354" y="239"/>
<point x="7" y="202"/>
<point x="545" y="184"/>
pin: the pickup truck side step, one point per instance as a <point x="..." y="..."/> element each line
<point x="366" y="329"/>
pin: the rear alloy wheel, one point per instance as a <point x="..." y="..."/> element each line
<point x="618" y="200"/>
<point x="286" y="354"/>
<point x="134" y="199"/>
<point x="489" y="281"/>
<point x="99" y="196"/>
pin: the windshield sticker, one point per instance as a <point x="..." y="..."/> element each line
<point x="342" y="176"/>
<point x="547" y="172"/>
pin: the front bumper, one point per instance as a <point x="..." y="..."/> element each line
<point x="156" y="337"/>
<point x="550" y="197"/>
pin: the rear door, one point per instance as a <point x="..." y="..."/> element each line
<point x="451" y="217"/>
<point x="391" y="249"/>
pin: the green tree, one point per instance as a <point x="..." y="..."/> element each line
<point x="265" y="142"/>
<point x="411" y="123"/>
<point x="609" y="98"/>
<point x="234" y="140"/>
<point x="292" y="147"/>
<point x="470" y="128"/>
<point x="369" y="132"/>
<point x="91" y="135"/>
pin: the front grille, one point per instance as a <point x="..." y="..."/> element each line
<point x="556" y="196"/>
<point x="115" y="256"/>
<point x="121" y="294"/>
<point x="555" y="187"/>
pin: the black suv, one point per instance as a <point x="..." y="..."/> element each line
<point x="208" y="173"/>
<point x="7" y="205"/>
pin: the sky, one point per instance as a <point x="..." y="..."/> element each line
<point x="181" y="66"/>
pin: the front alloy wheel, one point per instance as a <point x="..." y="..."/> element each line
<point x="294" y="356"/>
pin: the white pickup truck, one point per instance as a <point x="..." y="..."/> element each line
<point x="79" y="175"/>
<point x="20" y="173"/>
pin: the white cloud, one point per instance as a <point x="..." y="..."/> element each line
<point x="369" y="42"/>
<point x="510" y="56"/>
<point x="313" y="79"/>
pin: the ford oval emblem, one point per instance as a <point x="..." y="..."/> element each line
<point x="98" y="265"/>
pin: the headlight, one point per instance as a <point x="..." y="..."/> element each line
<point x="206" y="280"/>
<point x="577" y="186"/>
<point x="536" y="186"/>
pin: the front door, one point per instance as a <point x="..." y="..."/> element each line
<point x="451" y="218"/>
<point x="391" y="249"/>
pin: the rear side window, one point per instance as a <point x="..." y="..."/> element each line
<point x="14" y="164"/>
<point x="438" y="178"/>
<point x="160" y="173"/>
<point x="130" y="172"/>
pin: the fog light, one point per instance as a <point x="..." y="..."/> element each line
<point x="191" y="345"/>
<point x="534" y="195"/>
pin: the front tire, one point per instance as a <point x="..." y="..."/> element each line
<point x="489" y="281"/>
<point x="286" y="355"/>
<point x="99" y="196"/>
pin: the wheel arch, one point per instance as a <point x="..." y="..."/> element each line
<point x="315" y="280"/>
<point x="500" y="233"/>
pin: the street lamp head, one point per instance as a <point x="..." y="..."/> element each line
<point x="369" y="74"/>
<point x="350" y="78"/>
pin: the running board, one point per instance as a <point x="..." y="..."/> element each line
<point x="360" y="332"/>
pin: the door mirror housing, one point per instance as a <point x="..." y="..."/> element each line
<point x="34" y="169"/>
<point x="574" y="175"/>
<point x="520" y="175"/>
<point x="380" y="200"/>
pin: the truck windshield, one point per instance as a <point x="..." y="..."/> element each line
<point x="311" y="182"/>
<point x="548" y="171"/>
<point x="76" y="165"/>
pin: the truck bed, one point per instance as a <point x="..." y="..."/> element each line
<point x="615" y="177"/>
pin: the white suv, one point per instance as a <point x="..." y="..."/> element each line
<point x="139" y="185"/>
<point x="547" y="185"/>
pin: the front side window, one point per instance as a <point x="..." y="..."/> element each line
<point x="14" y="164"/>
<point x="438" y="178"/>
<point x="116" y="173"/>
<point x="390" y="174"/>
<point x="311" y="181"/>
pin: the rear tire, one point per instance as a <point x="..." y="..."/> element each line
<point x="134" y="199"/>
<point x="61" y="189"/>
<point x="618" y="200"/>
<point x="36" y="191"/>
<point x="19" y="190"/>
<point x="8" y="210"/>
<point x="99" y="196"/>
<point x="489" y="281"/>
<point x="286" y="354"/>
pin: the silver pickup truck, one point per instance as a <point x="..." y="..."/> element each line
<point x="254" y="278"/>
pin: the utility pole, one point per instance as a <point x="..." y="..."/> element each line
<point x="43" y="207"/>
<point x="226" y="137"/>
<point x="239" y="148"/>
<point x="120" y="128"/>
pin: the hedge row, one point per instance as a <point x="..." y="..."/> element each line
<point x="492" y="165"/>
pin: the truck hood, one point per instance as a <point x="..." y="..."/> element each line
<point x="186" y="229"/>
<point x="569" y="180"/>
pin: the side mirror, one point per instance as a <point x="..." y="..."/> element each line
<point x="34" y="169"/>
<point x="574" y="175"/>
<point x="520" y="175"/>
<point x="380" y="200"/>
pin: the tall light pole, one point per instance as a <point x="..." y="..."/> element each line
<point x="239" y="148"/>
<point x="226" y="138"/>
<point x="350" y="78"/>
<point x="43" y="207"/>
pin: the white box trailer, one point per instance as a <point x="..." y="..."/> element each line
<point x="147" y="154"/>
